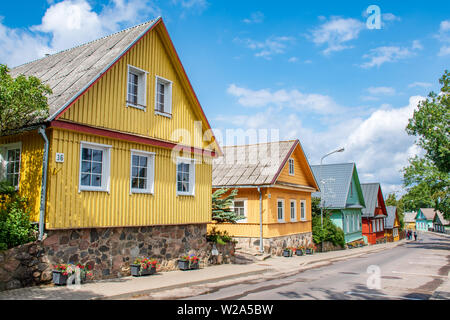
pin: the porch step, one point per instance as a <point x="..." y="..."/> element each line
<point x="246" y="256"/>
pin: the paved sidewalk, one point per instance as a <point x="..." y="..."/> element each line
<point x="131" y="286"/>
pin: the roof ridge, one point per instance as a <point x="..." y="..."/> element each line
<point x="332" y="164"/>
<point x="257" y="144"/>
<point x="89" y="42"/>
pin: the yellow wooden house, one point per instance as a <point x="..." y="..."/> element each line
<point x="274" y="182"/>
<point x="392" y="224"/>
<point x="126" y="144"/>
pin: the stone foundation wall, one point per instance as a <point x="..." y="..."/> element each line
<point x="108" y="251"/>
<point x="275" y="245"/>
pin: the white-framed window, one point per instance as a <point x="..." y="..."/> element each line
<point x="374" y="226"/>
<point x="240" y="209"/>
<point x="303" y="210"/>
<point x="280" y="210"/>
<point x="94" y="166"/>
<point x="293" y="209"/>
<point x="291" y="167"/>
<point x="10" y="162"/>
<point x="142" y="177"/>
<point x="347" y="219"/>
<point x="136" y="88"/>
<point x="163" y="96"/>
<point x="185" y="176"/>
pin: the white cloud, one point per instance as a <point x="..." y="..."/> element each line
<point x="190" y="4"/>
<point x="295" y="99"/>
<point x="389" y="17"/>
<point x="444" y="37"/>
<point x="336" y="33"/>
<point x="69" y="23"/>
<point x="269" y="47"/>
<point x="381" y="55"/>
<point x="255" y="17"/>
<point x="420" y="84"/>
<point x="293" y="59"/>
<point x="381" y="91"/>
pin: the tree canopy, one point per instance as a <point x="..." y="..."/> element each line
<point x="23" y="101"/>
<point x="221" y="206"/>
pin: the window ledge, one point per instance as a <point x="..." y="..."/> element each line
<point x="167" y="115"/>
<point x="141" y="192"/>
<point x="185" y="194"/>
<point x="137" y="106"/>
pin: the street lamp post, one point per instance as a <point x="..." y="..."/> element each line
<point x="321" y="186"/>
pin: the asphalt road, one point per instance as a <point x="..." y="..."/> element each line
<point x="410" y="271"/>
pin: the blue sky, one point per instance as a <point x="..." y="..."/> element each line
<point x="312" y="70"/>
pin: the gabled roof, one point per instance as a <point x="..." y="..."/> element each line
<point x="252" y="165"/>
<point x="391" y="215"/>
<point x="409" y="217"/>
<point x="428" y="213"/>
<point x="439" y="216"/>
<point x="337" y="179"/>
<point x="68" y="73"/>
<point x="371" y="195"/>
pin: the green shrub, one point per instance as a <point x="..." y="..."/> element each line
<point x="329" y="232"/>
<point x="15" y="225"/>
<point x="219" y="237"/>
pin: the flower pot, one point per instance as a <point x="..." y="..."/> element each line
<point x="59" y="279"/>
<point x="309" y="251"/>
<point x="183" y="265"/>
<point x="287" y="253"/>
<point x="136" y="270"/>
<point x="194" y="265"/>
<point x="299" y="252"/>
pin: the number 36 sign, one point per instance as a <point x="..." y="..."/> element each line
<point x="59" y="157"/>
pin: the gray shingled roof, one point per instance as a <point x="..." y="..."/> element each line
<point x="409" y="217"/>
<point x="70" y="72"/>
<point x="255" y="164"/>
<point x="370" y="192"/>
<point x="444" y="221"/>
<point x="428" y="213"/>
<point x="337" y="178"/>
<point x="390" y="219"/>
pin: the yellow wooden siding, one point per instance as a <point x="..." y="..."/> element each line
<point x="104" y="104"/>
<point x="301" y="170"/>
<point x="68" y="208"/>
<point x="30" y="168"/>
<point x="271" y="226"/>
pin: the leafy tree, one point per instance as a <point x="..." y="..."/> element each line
<point x="329" y="231"/>
<point x="23" y="101"/>
<point x="221" y="206"/>
<point x="427" y="178"/>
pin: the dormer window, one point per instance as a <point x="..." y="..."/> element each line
<point x="291" y="167"/>
<point x="163" y="97"/>
<point x="136" y="90"/>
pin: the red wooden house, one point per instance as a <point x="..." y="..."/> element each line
<point x="373" y="214"/>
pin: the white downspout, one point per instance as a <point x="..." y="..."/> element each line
<point x="41" y="131"/>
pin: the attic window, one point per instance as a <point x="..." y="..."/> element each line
<point x="291" y="167"/>
<point x="136" y="90"/>
<point x="163" y="97"/>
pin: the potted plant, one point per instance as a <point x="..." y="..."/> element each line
<point x="188" y="262"/>
<point x="143" y="267"/>
<point x="287" y="252"/>
<point x="311" y="249"/>
<point x="300" y="251"/>
<point x="62" y="272"/>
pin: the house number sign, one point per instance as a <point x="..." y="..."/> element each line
<point x="60" y="157"/>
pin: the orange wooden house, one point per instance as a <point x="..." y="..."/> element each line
<point x="274" y="182"/>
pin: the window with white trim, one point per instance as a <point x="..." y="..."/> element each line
<point x="163" y="96"/>
<point x="347" y="223"/>
<point x="10" y="160"/>
<point x="303" y="210"/>
<point x="240" y="209"/>
<point x="94" y="167"/>
<point x="136" y="88"/>
<point x="142" y="171"/>
<point x="293" y="207"/>
<point x="280" y="210"/>
<point x="291" y="167"/>
<point x="185" y="176"/>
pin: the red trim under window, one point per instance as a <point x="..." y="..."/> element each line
<point x="127" y="137"/>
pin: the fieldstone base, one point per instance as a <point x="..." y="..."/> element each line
<point x="108" y="251"/>
<point x="275" y="245"/>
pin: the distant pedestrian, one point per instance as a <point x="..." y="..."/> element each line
<point x="415" y="235"/>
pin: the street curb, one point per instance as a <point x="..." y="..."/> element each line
<point x="181" y="285"/>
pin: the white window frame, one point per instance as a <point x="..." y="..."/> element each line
<point x="294" y="218"/>
<point x="168" y="85"/>
<point x="303" y="217"/>
<point x="106" y="164"/>
<point x="245" y="209"/>
<point x="191" y="163"/>
<point x="291" y="166"/>
<point x="282" y="210"/>
<point x="142" y="87"/>
<point x="347" y="223"/>
<point x="374" y="226"/>
<point x="150" y="171"/>
<point x="4" y="159"/>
